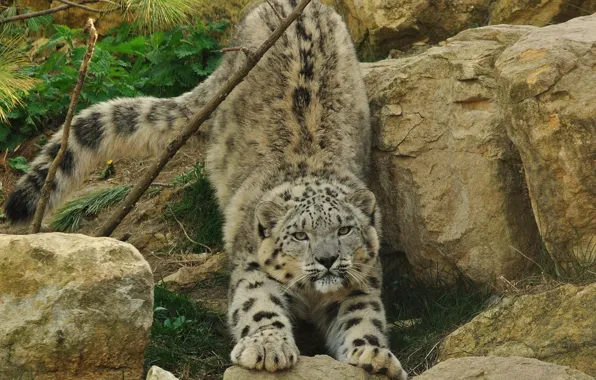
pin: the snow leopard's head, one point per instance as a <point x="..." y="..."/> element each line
<point x="318" y="234"/>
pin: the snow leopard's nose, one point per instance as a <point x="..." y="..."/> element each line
<point x="328" y="261"/>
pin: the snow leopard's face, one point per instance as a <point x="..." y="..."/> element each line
<point x="318" y="235"/>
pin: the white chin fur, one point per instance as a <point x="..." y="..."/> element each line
<point x="328" y="284"/>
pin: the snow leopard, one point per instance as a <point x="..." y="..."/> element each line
<point x="288" y="154"/>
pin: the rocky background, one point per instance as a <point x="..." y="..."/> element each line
<point x="484" y="165"/>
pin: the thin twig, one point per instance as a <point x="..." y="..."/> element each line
<point x="25" y="16"/>
<point x="196" y="123"/>
<point x="236" y="48"/>
<point x="274" y="10"/>
<point x="159" y="184"/>
<point x="77" y="5"/>
<point x="185" y="234"/>
<point x="49" y="182"/>
<point x="5" y="161"/>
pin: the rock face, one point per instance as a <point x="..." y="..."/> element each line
<point x="320" y="367"/>
<point x="377" y="26"/>
<point x="496" y="368"/>
<point x="485" y="147"/>
<point x="446" y="174"/>
<point x="73" y="307"/>
<point x="539" y="13"/>
<point x="548" y="95"/>
<point x="555" y="326"/>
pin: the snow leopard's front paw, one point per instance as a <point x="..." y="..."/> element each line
<point x="377" y="360"/>
<point x="272" y="350"/>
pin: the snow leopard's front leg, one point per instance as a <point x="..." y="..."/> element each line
<point x="356" y="334"/>
<point x="259" y="321"/>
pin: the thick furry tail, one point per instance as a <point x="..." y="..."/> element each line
<point x="133" y="127"/>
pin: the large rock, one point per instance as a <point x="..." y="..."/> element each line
<point x="320" y="367"/>
<point x="446" y="174"/>
<point x="73" y="307"/>
<point x="496" y="368"/>
<point x="548" y="94"/>
<point x="555" y="326"/>
<point x="539" y="13"/>
<point x="377" y="26"/>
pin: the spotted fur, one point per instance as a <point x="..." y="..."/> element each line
<point x="288" y="155"/>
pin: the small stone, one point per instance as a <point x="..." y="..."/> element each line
<point x="188" y="276"/>
<point x="156" y="373"/>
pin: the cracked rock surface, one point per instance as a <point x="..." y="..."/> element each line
<point x="498" y="368"/>
<point x="555" y="326"/>
<point x="73" y="307"/>
<point x="320" y="367"/>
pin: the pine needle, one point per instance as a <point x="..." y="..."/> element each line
<point x="13" y="85"/>
<point x="69" y="217"/>
<point x="154" y="15"/>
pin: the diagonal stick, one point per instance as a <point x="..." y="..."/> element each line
<point x="49" y="182"/>
<point x="251" y="61"/>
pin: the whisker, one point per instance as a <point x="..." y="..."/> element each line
<point x="298" y="279"/>
<point x="364" y="265"/>
<point x="356" y="279"/>
<point x="362" y="280"/>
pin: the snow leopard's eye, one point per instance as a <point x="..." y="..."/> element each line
<point x="344" y="230"/>
<point x="300" y="236"/>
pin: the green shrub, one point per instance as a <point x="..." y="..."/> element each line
<point x="186" y="338"/>
<point x="125" y="64"/>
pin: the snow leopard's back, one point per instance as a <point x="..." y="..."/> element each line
<point x="304" y="104"/>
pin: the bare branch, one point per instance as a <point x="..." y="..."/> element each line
<point x="49" y="182"/>
<point x="274" y="10"/>
<point x="196" y="123"/>
<point x="25" y="16"/>
<point x="77" y="5"/>
<point x="246" y="52"/>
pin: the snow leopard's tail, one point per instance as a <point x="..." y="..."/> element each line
<point x="129" y="127"/>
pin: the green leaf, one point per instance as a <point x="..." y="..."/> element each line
<point x="18" y="163"/>
<point x="136" y="46"/>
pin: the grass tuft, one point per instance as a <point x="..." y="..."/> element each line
<point x="419" y="316"/>
<point x="186" y="339"/>
<point x="198" y="210"/>
<point x="572" y="267"/>
<point x="155" y="15"/>
<point x="69" y="217"/>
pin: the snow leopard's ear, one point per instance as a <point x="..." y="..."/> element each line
<point x="363" y="199"/>
<point x="268" y="214"/>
